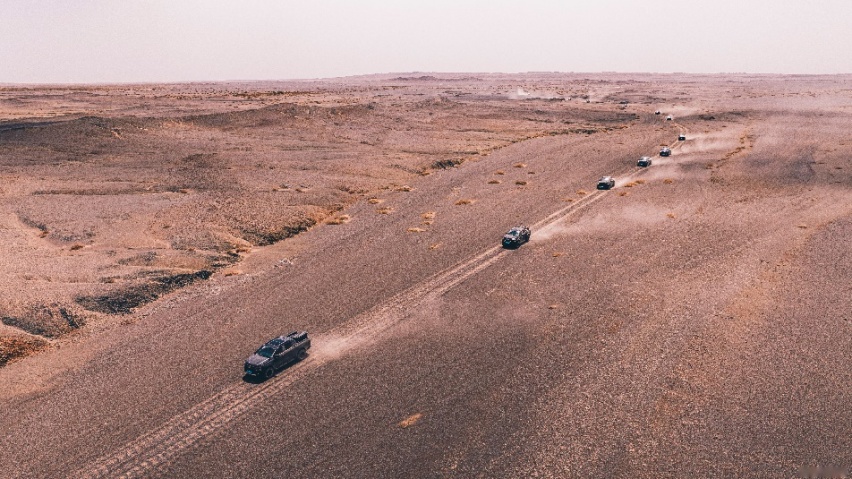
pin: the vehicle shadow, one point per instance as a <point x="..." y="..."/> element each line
<point x="251" y="379"/>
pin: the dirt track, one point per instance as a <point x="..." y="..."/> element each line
<point x="692" y="322"/>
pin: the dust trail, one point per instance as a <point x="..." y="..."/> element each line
<point x="522" y="94"/>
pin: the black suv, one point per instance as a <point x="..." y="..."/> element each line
<point x="644" y="161"/>
<point x="666" y="151"/>
<point x="516" y="237"/>
<point x="606" y="183"/>
<point x="277" y="353"/>
<point x="681" y="137"/>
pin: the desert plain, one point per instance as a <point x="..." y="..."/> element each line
<point x="693" y="321"/>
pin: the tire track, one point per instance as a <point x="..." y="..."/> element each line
<point x="160" y="447"/>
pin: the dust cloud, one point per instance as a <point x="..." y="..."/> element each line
<point x="628" y="217"/>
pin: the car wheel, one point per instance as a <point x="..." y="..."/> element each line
<point x="302" y="354"/>
<point x="268" y="373"/>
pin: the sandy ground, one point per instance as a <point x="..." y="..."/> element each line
<point x="692" y="322"/>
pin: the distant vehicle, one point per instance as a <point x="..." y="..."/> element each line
<point x="623" y="102"/>
<point x="669" y="118"/>
<point x="644" y="161"/>
<point x="516" y="237"/>
<point x="657" y="112"/>
<point x="666" y="151"/>
<point x="681" y="137"/>
<point x="606" y="183"/>
<point x="277" y="353"/>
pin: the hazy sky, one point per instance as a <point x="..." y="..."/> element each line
<point x="49" y="41"/>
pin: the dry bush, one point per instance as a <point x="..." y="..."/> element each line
<point x="410" y="420"/>
<point x="531" y="172"/>
<point x="520" y="165"/>
<point x="415" y="229"/>
<point x="640" y="181"/>
<point x="429" y="215"/>
<point x="521" y="182"/>
<point x="553" y="306"/>
<point x="373" y="201"/>
<point x="581" y="192"/>
<point x="435" y="246"/>
<point x="623" y="193"/>
<point x="558" y="254"/>
<point x="465" y="201"/>
<point x="403" y="188"/>
<point x="493" y="182"/>
<point x="668" y="181"/>
<point x="630" y="184"/>
<point x="804" y="227"/>
<point x="499" y="172"/>
<point x="386" y="210"/>
<point x="76" y="246"/>
<point x="338" y="220"/>
<point x="670" y="215"/>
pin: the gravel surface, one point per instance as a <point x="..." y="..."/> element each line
<point x="694" y="321"/>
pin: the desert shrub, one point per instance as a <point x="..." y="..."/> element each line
<point x="444" y="164"/>
<point x="338" y="220"/>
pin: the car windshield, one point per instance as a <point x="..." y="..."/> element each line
<point x="265" y="351"/>
<point x="513" y="233"/>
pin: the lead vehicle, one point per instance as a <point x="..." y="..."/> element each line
<point x="666" y="151"/>
<point x="277" y="353"/>
<point x="516" y="237"/>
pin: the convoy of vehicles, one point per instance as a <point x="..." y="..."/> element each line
<point x="283" y="350"/>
